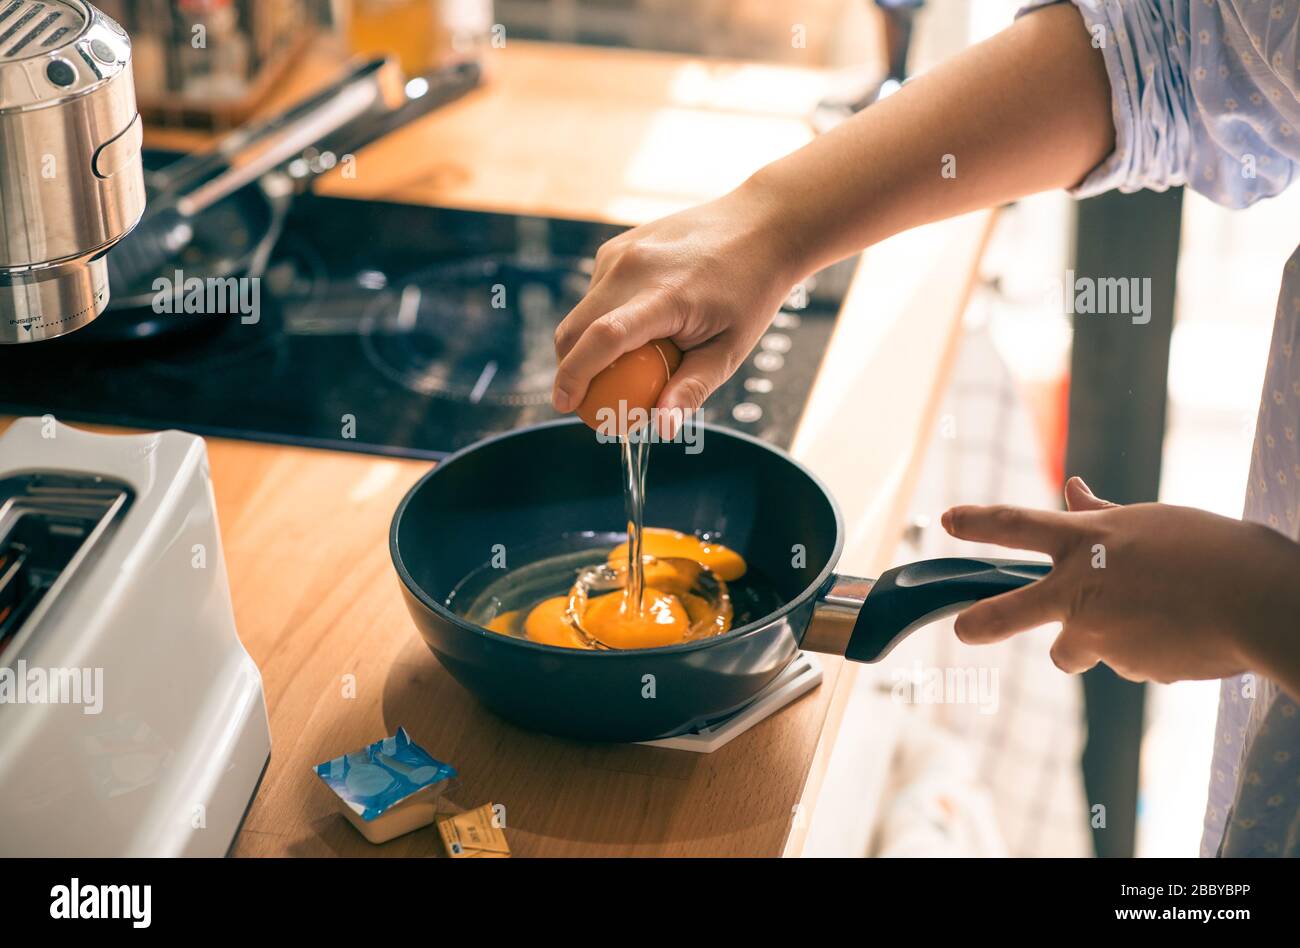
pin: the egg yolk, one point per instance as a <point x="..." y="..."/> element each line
<point x="663" y="620"/>
<point x="547" y="623"/>
<point x="724" y="563"/>
<point x="671" y="610"/>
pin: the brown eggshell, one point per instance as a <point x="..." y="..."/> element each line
<point x="636" y="378"/>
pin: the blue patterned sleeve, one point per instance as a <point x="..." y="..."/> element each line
<point x="1204" y="93"/>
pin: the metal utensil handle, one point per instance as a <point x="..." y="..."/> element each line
<point x="187" y="172"/>
<point x="350" y="103"/>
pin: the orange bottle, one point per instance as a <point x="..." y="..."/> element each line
<point x="411" y="30"/>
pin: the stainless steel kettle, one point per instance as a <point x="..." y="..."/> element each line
<point x="71" y="181"/>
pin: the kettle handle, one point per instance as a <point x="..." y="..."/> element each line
<point x="910" y="596"/>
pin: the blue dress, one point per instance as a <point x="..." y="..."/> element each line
<point x="1206" y="93"/>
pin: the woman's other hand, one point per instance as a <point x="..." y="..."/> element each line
<point x="1155" y="591"/>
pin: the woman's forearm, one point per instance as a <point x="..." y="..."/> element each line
<point x="1026" y="111"/>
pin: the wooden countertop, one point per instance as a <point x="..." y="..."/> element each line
<point x="578" y="131"/>
<point x="585" y="133"/>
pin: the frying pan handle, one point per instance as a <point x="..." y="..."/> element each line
<point x="908" y="597"/>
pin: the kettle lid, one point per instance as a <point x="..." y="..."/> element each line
<point x="52" y="50"/>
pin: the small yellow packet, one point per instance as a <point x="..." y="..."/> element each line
<point x="474" y="833"/>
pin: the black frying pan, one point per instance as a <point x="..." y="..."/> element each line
<point x="507" y="492"/>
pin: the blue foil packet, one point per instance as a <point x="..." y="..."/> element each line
<point x="380" y="776"/>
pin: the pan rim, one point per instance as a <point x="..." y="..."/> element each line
<point x="811" y="591"/>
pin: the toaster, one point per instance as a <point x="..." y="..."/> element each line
<point x="134" y="721"/>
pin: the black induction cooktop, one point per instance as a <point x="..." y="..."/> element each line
<point x="392" y="329"/>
